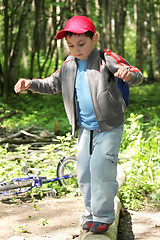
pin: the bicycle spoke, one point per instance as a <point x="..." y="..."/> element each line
<point x="68" y="166"/>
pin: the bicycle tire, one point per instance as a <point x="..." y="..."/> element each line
<point x="13" y="184"/>
<point x="67" y="166"/>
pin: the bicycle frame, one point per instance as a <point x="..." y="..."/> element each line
<point x="36" y="182"/>
<point x="65" y="170"/>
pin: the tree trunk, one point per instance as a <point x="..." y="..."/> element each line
<point x="33" y="44"/>
<point x="19" y="43"/>
<point x="43" y="28"/>
<point x="156" y="38"/>
<point x="149" y="42"/>
<point x="107" y="18"/>
<point x="116" y="27"/>
<point x="1" y="80"/>
<point x="6" y="55"/>
<point x="122" y="18"/>
<point x="100" y="27"/>
<point x="119" y="17"/>
<point x="139" y="33"/>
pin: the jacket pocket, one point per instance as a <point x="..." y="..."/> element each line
<point x="111" y="103"/>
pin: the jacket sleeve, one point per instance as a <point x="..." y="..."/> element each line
<point x="115" y="61"/>
<point x="49" y="85"/>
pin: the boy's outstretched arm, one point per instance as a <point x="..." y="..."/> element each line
<point x="22" y="84"/>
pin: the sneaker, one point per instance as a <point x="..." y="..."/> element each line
<point x="98" y="227"/>
<point x="87" y="225"/>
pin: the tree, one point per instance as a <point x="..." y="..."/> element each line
<point x="20" y="40"/>
<point x="156" y="38"/>
<point x="121" y="25"/>
<point x="6" y="51"/>
<point x="139" y="18"/>
<point x="107" y="18"/>
<point x="12" y="57"/>
<point x="149" y="41"/>
<point x="27" y="36"/>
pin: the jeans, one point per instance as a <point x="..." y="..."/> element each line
<point x="97" y="171"/>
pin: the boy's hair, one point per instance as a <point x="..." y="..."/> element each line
<point x="87" y="34"/>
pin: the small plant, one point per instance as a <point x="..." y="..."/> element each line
<point x="43" y="221"/>
<point x="22" y="229"/>
<point x="35" y="207"/>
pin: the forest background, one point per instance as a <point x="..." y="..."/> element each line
<point x="28" y="49"/>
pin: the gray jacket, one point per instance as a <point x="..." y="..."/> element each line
<point x="108" y="103"/>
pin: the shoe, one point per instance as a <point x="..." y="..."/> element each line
<point x="87" y="225"/>
<point x="98" y="227"/>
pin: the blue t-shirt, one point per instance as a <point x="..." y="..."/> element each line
<point x="86" y="115"/>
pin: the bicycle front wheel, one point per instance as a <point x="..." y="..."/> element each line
<point x="15" y="187"/>
<point x="67" y="166"/>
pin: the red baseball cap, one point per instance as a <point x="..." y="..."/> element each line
<point x="78" y="25"/>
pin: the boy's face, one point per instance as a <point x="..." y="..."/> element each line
<point x="81" y="46"/>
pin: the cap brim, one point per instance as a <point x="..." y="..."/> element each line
<point x="61" y="34"/>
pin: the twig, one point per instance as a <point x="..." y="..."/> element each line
<point x="30" y="135"/>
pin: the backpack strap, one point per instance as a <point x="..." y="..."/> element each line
<point x="123" y="86"/>
<point x="101" y="53"/>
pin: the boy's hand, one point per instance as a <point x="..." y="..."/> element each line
<point x="124" y="74"/>
<point x="22" y="84"/>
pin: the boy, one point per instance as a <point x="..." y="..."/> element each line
<point x="94" y="106"/>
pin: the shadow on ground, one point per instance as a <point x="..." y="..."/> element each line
<point x="125" y="231"/>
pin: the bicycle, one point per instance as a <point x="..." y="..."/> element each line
<point x="66" y="172"/>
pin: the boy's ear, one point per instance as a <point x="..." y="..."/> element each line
<point x="95" y="38"/>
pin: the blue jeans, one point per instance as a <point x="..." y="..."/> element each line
<point x="97" y="171"/>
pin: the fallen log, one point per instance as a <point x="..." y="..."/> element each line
<point x="15" y="135"/>
<point x="26" y="137"/>
<point x="25" y="141"/>
<point x="111" y="234"/>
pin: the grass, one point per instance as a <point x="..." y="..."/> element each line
<point x="40" y="110"/>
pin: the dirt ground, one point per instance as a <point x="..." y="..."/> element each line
<point x="60" y="219"/>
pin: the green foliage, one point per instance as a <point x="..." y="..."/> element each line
<point x="140" y="148"/>
<point x="36" y="109"/>
<point x="46" y="162"/>
<point x="139" y="154"/>
<point x="142" y="163"/>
